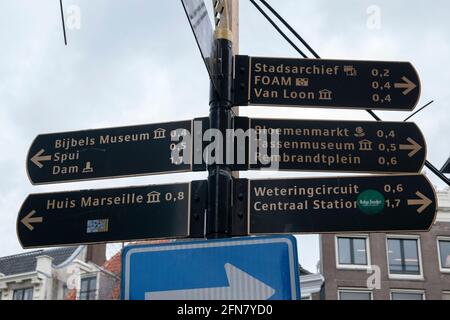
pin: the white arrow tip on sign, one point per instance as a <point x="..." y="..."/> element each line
<point x="245" y="287"/>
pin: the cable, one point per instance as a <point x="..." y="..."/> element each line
<point x="437" y="172"/>
<point x="275" y="13"/>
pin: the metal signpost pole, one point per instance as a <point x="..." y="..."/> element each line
<point x="220" y="175"/>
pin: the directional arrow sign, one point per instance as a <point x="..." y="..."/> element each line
<point x="346" y="146"/>
<point x="326" y="83"/>
<point x="112" y="215"/>
<point x="108" y="153"/>
<point x="347" y="204"/>
<point x="405" y="84"/>
<point x="231" y="269"/>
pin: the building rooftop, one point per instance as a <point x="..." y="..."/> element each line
<point x="26" y="262"/>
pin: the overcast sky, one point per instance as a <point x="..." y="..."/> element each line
<point x="136" y="62"/>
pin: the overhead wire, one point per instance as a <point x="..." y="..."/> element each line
<point x="63" y="21"/>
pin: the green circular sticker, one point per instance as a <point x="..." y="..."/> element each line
<point x="370" y="202"/>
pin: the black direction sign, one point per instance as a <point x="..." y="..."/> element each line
<point x="112" y="215"/>
<point x="108" y="153"/>
<point x="202" y="27"/>
<point x="326" y="83"/>
<point x="346" y="204"/>
<point x="346" y="146"/>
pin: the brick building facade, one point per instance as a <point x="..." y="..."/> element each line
<point x="389" y="266"/>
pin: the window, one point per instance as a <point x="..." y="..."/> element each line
<point x="445" y="295"/>
<point x="348" y="294"/>
<point x="407" y="295"/>
<point x="444" y="254"/>
<point x="88" y="288"/>
<point x="23" y="294"/>
<point x="404" y="256"/>
<point x="352" y="252"/>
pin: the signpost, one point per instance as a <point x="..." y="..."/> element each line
<point x="346" y="204"/>
<point x="326" y="83"/>
<point x="108" y="153"/>
<point x="345" y="146"/>
<point x="262" y="268"/>
<point x="113" y="215"/>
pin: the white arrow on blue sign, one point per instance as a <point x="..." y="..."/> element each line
<point x="262" y="268"/>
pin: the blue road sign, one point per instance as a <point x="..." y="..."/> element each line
<point x="262" y="268"/>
